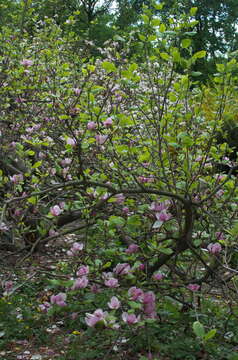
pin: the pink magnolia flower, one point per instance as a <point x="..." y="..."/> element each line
<point x="52" y="232"/>
<point x="101" y="139"/>
<point x="126" y="210"/>
<point x="75" y="249"/>
<point x="95" y="289"/>
<point x="163" y="216"/>
<point x="108" y="122"/>
<point x="8" y="285"/>
<point x="98" y="315"/>
<point x="114" y="303"/>
<point x="193" y="287"/>
<point x="80" y="283"/>
<point x="71" y="142"/>
<point x="158" y="276"/>
<point x="159" y="206"/>
<point x="141" y="267"/>
<point x="26" y="62"/>
<point x="219" y="235"/>
<point x="135" y="293"/>
<point x="120" y="198"/>
<point x="91" y="125"/>
<point x="214" y="248"/>
<point x="58" y="299"/>
<point x="112" y="283"/>
<point x="55" y="210"/>
<point x="130" y="319"/>
<point x="132" y="248"/>
<point x="122" y="269"/>
<point x="77" y="91"/>
<point x="149" y="305"/>
<point x="17" y="178"/>
<point x="83" y="270"/>
<point x="45" y="307"/>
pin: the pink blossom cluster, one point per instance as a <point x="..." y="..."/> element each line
<point x="146" y="179"/>
<point x="132" y="248"/>
<point x="17" y="178"/>
<point x="56" y="210"/>
<point x="98" y="316"/>
<point x="193" y="287"/>
<point x="58" y="299"/>
<point x="146" y="298"/>
<point x="214" y="248"/>
<point x="75" y="249"/>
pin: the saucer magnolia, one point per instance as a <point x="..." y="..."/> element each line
<point x="107" y="122"/>
<point x="114" y="303"/>
<point x="92" y="319"/>
<point x="55" y="210"/>
<point x="80" y="283"/>
<point x="83" y="270"/>
<point x="122" y="269"/>
<point x="91" y="125"/>
<point x="112" y="283"/>
<point x="75" y="249"/>
<point x="58" y="299"/>
<point x="193" y="287"/>
<point x="133" y="248"/>
<point x="214" y="248"/>
<point x="130" y="319"/>
<point x="135" y="293"/>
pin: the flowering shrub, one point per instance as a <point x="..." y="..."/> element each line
<point x="126" y="149"/>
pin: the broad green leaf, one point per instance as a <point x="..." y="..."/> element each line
<point x="108" y="66"/>
<point x="200" y="54"/>
<point x="185" y="43"/>
<point x="220" y="67"/>
<point x="37" y="164"/>
<point x="210" y="334"/>
<point x="198" y="329"/>
<point x="155" y="22"/>
<point x="162" y="28"/>
<point x="193" y="11"/>
<point x="164" y="56"/>
<point x="166" y="251"/>
<point x="145" y="19"/>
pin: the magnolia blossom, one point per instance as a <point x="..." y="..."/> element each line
<point x="91" y="125"/>
<point x="130" y="319"/>
<point x="112" y="283"/>
<point x="141" y="267"/>
<point x="135" y="293"/>
<point x="83" y="270"/>
<point x="17" y="178"/>
<point x="80" y="283"/>
<point x="8" y="285"/>
<point x="158" y="276"/>
<point x="98" y="315"/>
<point x="52" y="232"/>
<point x="214" y="248"/>
<point x="58" y="299"/>
<point x="159" y="206"/>
<point x="71" y="142"/>
<point x="219" y="235"/>
<point x="77" y="91"/>
<point x="75" y="249"/>
<point x="193" y="287"/>
<point x="120" y="198"/>
<point x="55" y="210"/>
<point x="108" y="122"/>
<point x="163" y="216"/>
<point x="45" y="307"/>
<point x="122" y="269"/>
<point x="3" y="226"/>
<point x="149" y="305"/>
<point x="114" y="303"/>
<point x="132" y="248"/>
<point x="26" y="62"/>
<point x="101" y="139"/>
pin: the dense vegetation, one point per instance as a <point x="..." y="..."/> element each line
<point x="128" y="157"/>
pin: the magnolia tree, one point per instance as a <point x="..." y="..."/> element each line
<point x="127" y="147"/>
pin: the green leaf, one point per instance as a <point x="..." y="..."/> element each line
<point x="37" y="164"/>
<point x="145" y="19"/>
<point x="108" y="66"/>
<point x="210" y="334"/>
<point x="32" y="200"/>
<point x="155" y="22"/>
<point x="185" y="43"/>
<point x="193" y="11"/>
<point x="166" y="251"/>
<point x="116" y="220"/>
<point x="196" y="73"/>
<point x="220" y="68"/>
<point x="164" y="56"/>
<point x="135" y="305"/>
<point x="200" y="54"/>
<point x="152" y="38"/>
<point x="162" y="28"/>
<point x="198" y="329"/>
